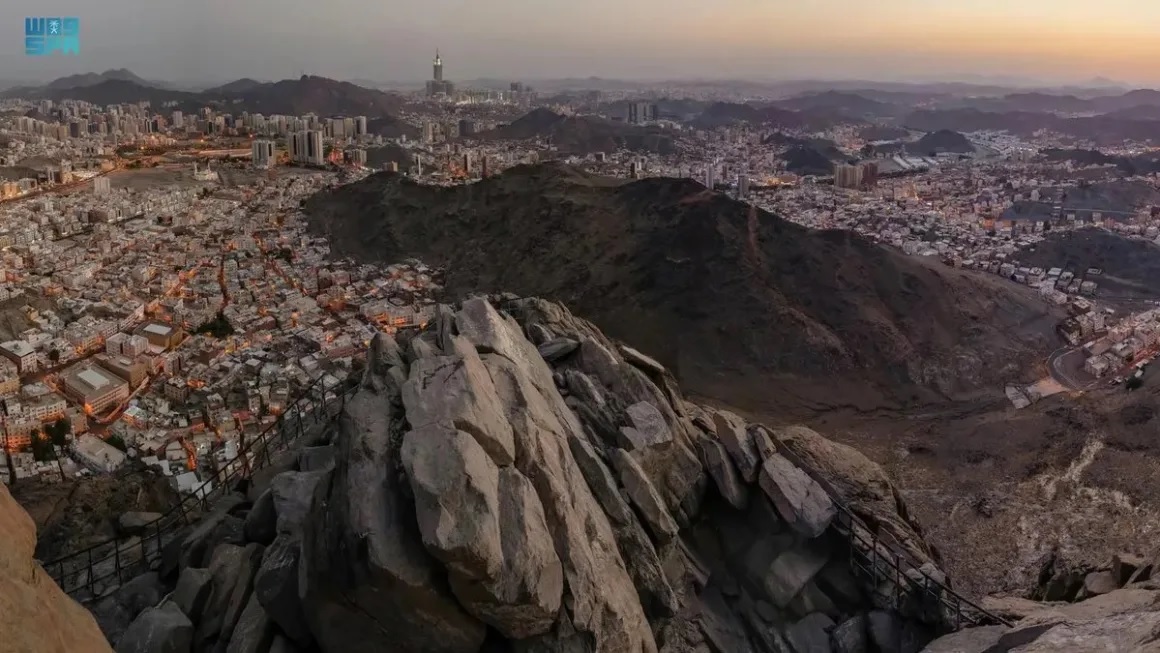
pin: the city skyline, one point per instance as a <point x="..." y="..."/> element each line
<point x="1066" y="41"/>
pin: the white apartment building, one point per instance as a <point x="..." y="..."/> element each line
<point x="22" y="354"/>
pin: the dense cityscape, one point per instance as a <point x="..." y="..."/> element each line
<point x="172" y="298"/>
<point x="167" y="300"/>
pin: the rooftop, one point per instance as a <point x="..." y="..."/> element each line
<point x="93" y="379"/>
<point x="18" y="348"/>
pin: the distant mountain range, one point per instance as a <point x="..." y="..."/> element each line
<point x="307" y="94"/>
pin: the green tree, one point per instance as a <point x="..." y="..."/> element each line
<point x="219" y="327"/>
<point x="41" y="447"/>
<point x="58" y="431"/>
<point x="54" y="356"/>
<point x="118" y="442"/>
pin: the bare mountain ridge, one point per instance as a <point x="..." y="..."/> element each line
<point x="307" y="94"/>
<point x="1101" y="129"/>
<point x="744" y="307"/>
<point x="943" y="140"/>
<point x="583" y="134"/>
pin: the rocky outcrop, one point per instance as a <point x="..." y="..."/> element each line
<point x="510" y="480"/>
<point x="1114" y="607"/>
<point x="35" y="615"/>
<point x="1120" y="620"/>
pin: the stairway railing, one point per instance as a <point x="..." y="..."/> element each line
<point x="880" y="560"/>
<point x="98" y="568"/>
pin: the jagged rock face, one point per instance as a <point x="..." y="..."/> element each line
<point x="563" y="506"/>
<point x="35" y="615"/>
<point x="1121" y="620"/>
<point x="510" y="480"/>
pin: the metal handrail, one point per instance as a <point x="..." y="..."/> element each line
<point x="943" y="594"/>
<point x="82" y="565"/>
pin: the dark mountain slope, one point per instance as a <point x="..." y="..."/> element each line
<point x="940" y="141"/>
<point x="583" y="134"/>
<point x="91" y="79"/>
<point x="746" y="308"/>
<point x="318" y="95"/>
<point x="850" y="104"/>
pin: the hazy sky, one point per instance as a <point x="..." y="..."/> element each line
<point x="394" y="40"/>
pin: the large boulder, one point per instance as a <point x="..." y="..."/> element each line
<point x="276" y="588"/>
<point x="861" y="484"/>
<point x="456" y="388"/>
<point x="799" y="499"/>
<point x="467" y="507"/>
<point x="731" y="432"/>
<point x="366" y="579"/>
<point x="193" y="590"/>
<point x="116" y="611"/>
<point x="164" y="629"/>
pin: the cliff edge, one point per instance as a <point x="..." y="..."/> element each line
<point x="511" y="480"/>
<point x="35" y="615"/>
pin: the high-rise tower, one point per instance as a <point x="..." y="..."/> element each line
<point x="438" y="67"/>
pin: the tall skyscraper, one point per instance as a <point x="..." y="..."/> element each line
<point x="314" y="152"/>
<point x="870" y="175"/>
<point x="847" y="176"/>
<point x="360" y="126"/>
<point x="438" y="86"/>
<point x="641" y="112"/>
<point x="262" y="153"/>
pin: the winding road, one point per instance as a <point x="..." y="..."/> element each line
<point x="1065" y="366"/>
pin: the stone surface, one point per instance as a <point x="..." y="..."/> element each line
<point x="558" y="348"/>
<point x="276" y="588"/>
<point x="1100" y="582"/>
<point x="799" y="499"/>
<point x="851" y="636"/>
<point x="789" y="571"/>
<point x="164" y="629"/>
<point x="1136" y="632"/>
<point x="135" y="523"/>
<point x="644" y="496"/>
<point x="970" y="640"/>
<point x="262" y="521"/>
<point x="243" y="587"/>
<point x="649" y="424"/>
<point x="889" y="632"/>
<point x="366" y="580"/>
<point x="316" y="459"/>
<point x="254" y="632"/>
<point x="116" y="611"/>
<point x="292" y="494"/>
<point x="725" y="476"/>
<point x="35" y="615"/>
<point x="458" y="389"/>
<point x="640" y="360"/>
<point x="810" y="634"/>
<point x="218" y="527"/>
<point x="731" y="432"/>
<point x="487" y="527"/>
<point x="193" y="590"/>
<point x="456" y="487"/>
<point x="1124" y="566"/>
<point x="860" y="483"/>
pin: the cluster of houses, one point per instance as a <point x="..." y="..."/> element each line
<point x="1133" y="339"/>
